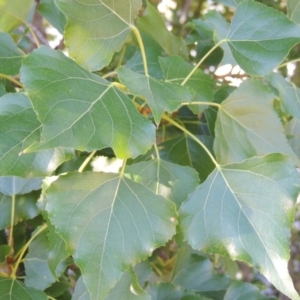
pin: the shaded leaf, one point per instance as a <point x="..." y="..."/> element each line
<point x="293" y="10"/>
<point x="38" y="274"/>
<point x="121" y="222"/>
<point x="255" y="41"/>
<point x="89" y="38"/>
<point x="187" y="152"/>
<point x="88" y="103"/>
<point x="171" y="181"/>
<point x="289" y="94"/>
<point x="176" y="70"/>
<point x="161" y="96"/>
<point x="195" y="272"/>
<point x="11" y="185"/>
<point x="49" y="10"/>
<point x="293" y="129"/>
<point x="248" y="222"/>
<point x="5" y="250"/>
<point x="243" y="290"/>
<point x="247" y="125"/>
<point x="15" y="289"/>
<point x="153" y="24"/>
<point x="12" y="14"/>
<point x="25" y="208"/>
<point x="10" y="56"/>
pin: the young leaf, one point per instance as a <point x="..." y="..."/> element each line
<point x="171" y="181"/>
<point x="10" y="56"/>
<point x="89" y="36"/>
<point x="293" y="10"/>
<point x="161" y="96"/>
<point x="19" y="128"/>
<point x="76" y="107"/>
<point x="12" y="14"/>
<point x="247" y="125"/>
<point x="15" y="289"/>
<point x="289" y="94"/>
<point x="255" y="40"/>
<point x="109" y="221"/>
<point x="153" y="24"/>
<point x="248" y="222"/>
<point x="38" y="274"/>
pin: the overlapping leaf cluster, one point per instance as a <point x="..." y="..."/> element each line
<point x="206" y="169"/>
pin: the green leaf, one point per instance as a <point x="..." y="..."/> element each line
<point x="19" y="128"/>
<point x="260" y="37"/>
<point x="186" y="152"/>
<point x="243" y="290"/>
<point x="289" y="94"/>
<point x="176" y="70"/>
<point x="15" y="289"/>
<point x="171" y="181"/>
<point x="5" y="250"/>
<point x="153" y="24"/>
<point x="161" y="96"/>
<point x="293" y="129"/>
<point x="12" y="14"/>
<point x="109" y="221"/>
<point x="25" y="208"/>
<point x="195" y="272"/>
<point x="231" y="3"/>
<point x="12" y="185"/>
<point x="49" y="10"/>
<point x="293" y="10"/>
<point x="10" y="56"/>
<point x="38" y="273"/>
<point x="163" y="291"/>
<point x="90" y="38"/>
<point x="81" y="292"/>
<point x="245" y="211"/>
<point x="247" y="125"/>
<point x="95" y="113"/>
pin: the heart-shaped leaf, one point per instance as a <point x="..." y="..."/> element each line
<point x="96" y="114"/>
<point x="89" y="38"/>
<point x="247" y="125"/>
<point x="19" y="128"/>
<point x="109" y="221"/>
<point x="161" y="96"/>
<point x="248" y="222"/>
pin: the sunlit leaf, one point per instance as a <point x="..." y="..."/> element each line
<point x="10" y="56"/>
<point x="109" y="221"/>
<point x="293" y="130"/>
<point x="245" y="211"/>
<point x="171" y="181"/>
<point x="96" y="114"/>
<point x="256" y="42"/>
<point x="161" y="96"/>
<point x="19" y="128"/>
<point x="97" y="29"/>
<point x="247" y="125"/>
<point x="12" y="14"/>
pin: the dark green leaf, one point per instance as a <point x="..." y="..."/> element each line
<point x="247" y="125"/>
<point x="90" y="106"/>
<point x="176" y="70"/>
<point x="38" y="274"/>
<point x="109" y="221"/>
<point x="153" y="24"/>
<point x="60" y="287"/>
<point x="19" y="128"/>
<point x="5" y="250"/>
<point x="49" y="10"/>
<point x="25" y="208"/>
<point x="289" y="94"/>
<point x="187" y="152"/>
<point x="12" y="14"/>
<point x="16" y="290"/>
<point x="260" y="37"/>
<point x="161" y="96"/>
<point x="169" y="180"/>
<point x="245" y="211"/>
<point x="293" y="10"/>
<point x="90" y="38"/>
<point x="10" y="56"/>
<point x="165" y="291"/>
